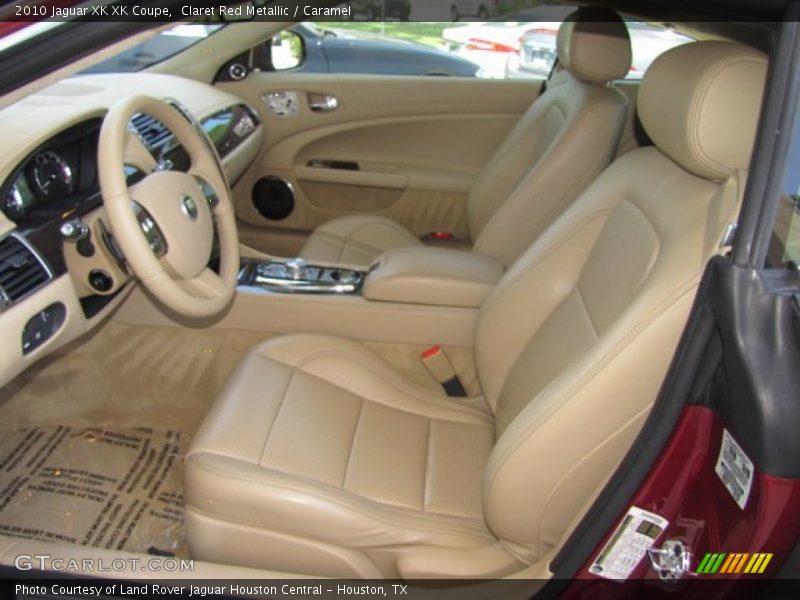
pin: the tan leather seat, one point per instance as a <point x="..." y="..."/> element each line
<point x="318" y="457"/>
<point x="564" y="140"/>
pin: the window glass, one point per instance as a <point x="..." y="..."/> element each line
<point x="154" y="50"/>
<point x="379" y="39"/>
<point x="509" y="44"/>
<point x="378" y="48"/>
<point x="785" y="246"/>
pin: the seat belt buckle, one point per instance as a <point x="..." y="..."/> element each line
<point x="438" y="236"/>
<point x="440" y="367"/>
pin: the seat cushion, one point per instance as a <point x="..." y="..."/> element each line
<point x="318" y="443"/>
<point x="356" y="240"/>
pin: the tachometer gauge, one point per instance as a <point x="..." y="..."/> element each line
<point x="52" y="176"/>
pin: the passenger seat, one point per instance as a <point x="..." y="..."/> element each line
<point x="564" y="140"/>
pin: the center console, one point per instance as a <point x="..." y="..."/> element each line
<point x="412" y="275"/>
<point x="295" y="275"/>
<point x="414" y="295"/>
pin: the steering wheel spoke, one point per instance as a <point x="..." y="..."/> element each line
<point x="209" y="192"/>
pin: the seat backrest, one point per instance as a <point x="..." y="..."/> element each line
<point x="561" y="143"/>
<point x="574" y="342"/>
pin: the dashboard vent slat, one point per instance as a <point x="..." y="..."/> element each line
<point x="152" y="131"/>
<point x="21" y="271"/>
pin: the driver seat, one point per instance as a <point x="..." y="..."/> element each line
<point x="319" y="458"/>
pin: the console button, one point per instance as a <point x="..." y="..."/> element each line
<point x="42" y="326"/>
<point x="100" y="280"/>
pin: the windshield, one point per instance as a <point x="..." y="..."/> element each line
<point x="152" y="51"/>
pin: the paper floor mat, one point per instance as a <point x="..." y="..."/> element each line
<point x="103" y="487"/>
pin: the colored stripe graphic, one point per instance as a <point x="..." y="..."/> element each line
<point x="732" y="558"/>
<point x="742" y="560"/>
<point x="701" y="568"/>
<point x="715" y="566"/>
<point x="737" y="562"/>
<point x="764" y="562"/>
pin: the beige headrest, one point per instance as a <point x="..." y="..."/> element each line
<point x="700" y="102"/>
<point x="594" y="45"/>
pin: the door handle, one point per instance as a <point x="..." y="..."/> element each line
<point x="322" y="103"/>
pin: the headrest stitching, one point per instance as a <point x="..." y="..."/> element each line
<point x="696" y="108"/>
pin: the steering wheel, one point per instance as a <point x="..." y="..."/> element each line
<point x="164" y="224"/>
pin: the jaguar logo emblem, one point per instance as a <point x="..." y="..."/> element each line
<point x="189" y="207"/>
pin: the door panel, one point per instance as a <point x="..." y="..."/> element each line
<point x="403" y="147"/>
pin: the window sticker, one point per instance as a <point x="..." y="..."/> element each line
<point x="637" y="532"/>
<point x="735" y="469"/>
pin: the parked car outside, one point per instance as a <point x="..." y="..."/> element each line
<point x="491" y="44"/>
<point x="526" y="47"/>
<point x="332" y="50"/>
<point x="537" y="49"/>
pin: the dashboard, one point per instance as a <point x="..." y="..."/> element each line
<point x="61" y="175"/>
<point x="61" y="272"/>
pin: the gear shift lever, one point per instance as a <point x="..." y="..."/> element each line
<point x="296" y="268"/>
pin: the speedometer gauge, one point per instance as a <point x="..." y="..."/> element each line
<point x="52" y="176"/>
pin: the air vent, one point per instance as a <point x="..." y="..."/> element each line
<point x="152" y="131"/>
<point x="21" y="271"/>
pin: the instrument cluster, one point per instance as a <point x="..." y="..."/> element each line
<point x="54" y="176"/>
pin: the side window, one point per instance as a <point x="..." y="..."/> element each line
<point x="785" y="244"/>
<point x="648" y="42"/>
<point x="506" y="44"/>
<point x="530" y="46"/>
<point x="368" y="47"/>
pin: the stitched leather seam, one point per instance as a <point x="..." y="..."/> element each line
<point x="461" y="525"/>
<point x="696" y="107"/>
<point x="392" y="379"/>
<point x="584" y="380"/>
<point x="428" y="440"/>
<point x="585" y="308"/>
<point x="562" y="241"/>
<point x="353" y="443"/>
<point x="565" y="476"/>
<point x="576" y="185"/>
<point x="289" y="382"/>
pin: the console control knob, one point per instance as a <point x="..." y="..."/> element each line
<point x="347" y="277"/>
<point x="296" y="268"/>
<point x="74" y="230"/>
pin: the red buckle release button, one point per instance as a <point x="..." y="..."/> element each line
<point x="445" y="236"/>
<point x="432" y="351"/>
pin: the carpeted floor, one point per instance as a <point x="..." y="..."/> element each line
<point x="127" y="376"/>
<point x="92" y="438"/>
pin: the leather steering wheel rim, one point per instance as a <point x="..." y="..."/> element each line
<point x="184" y="207"/>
